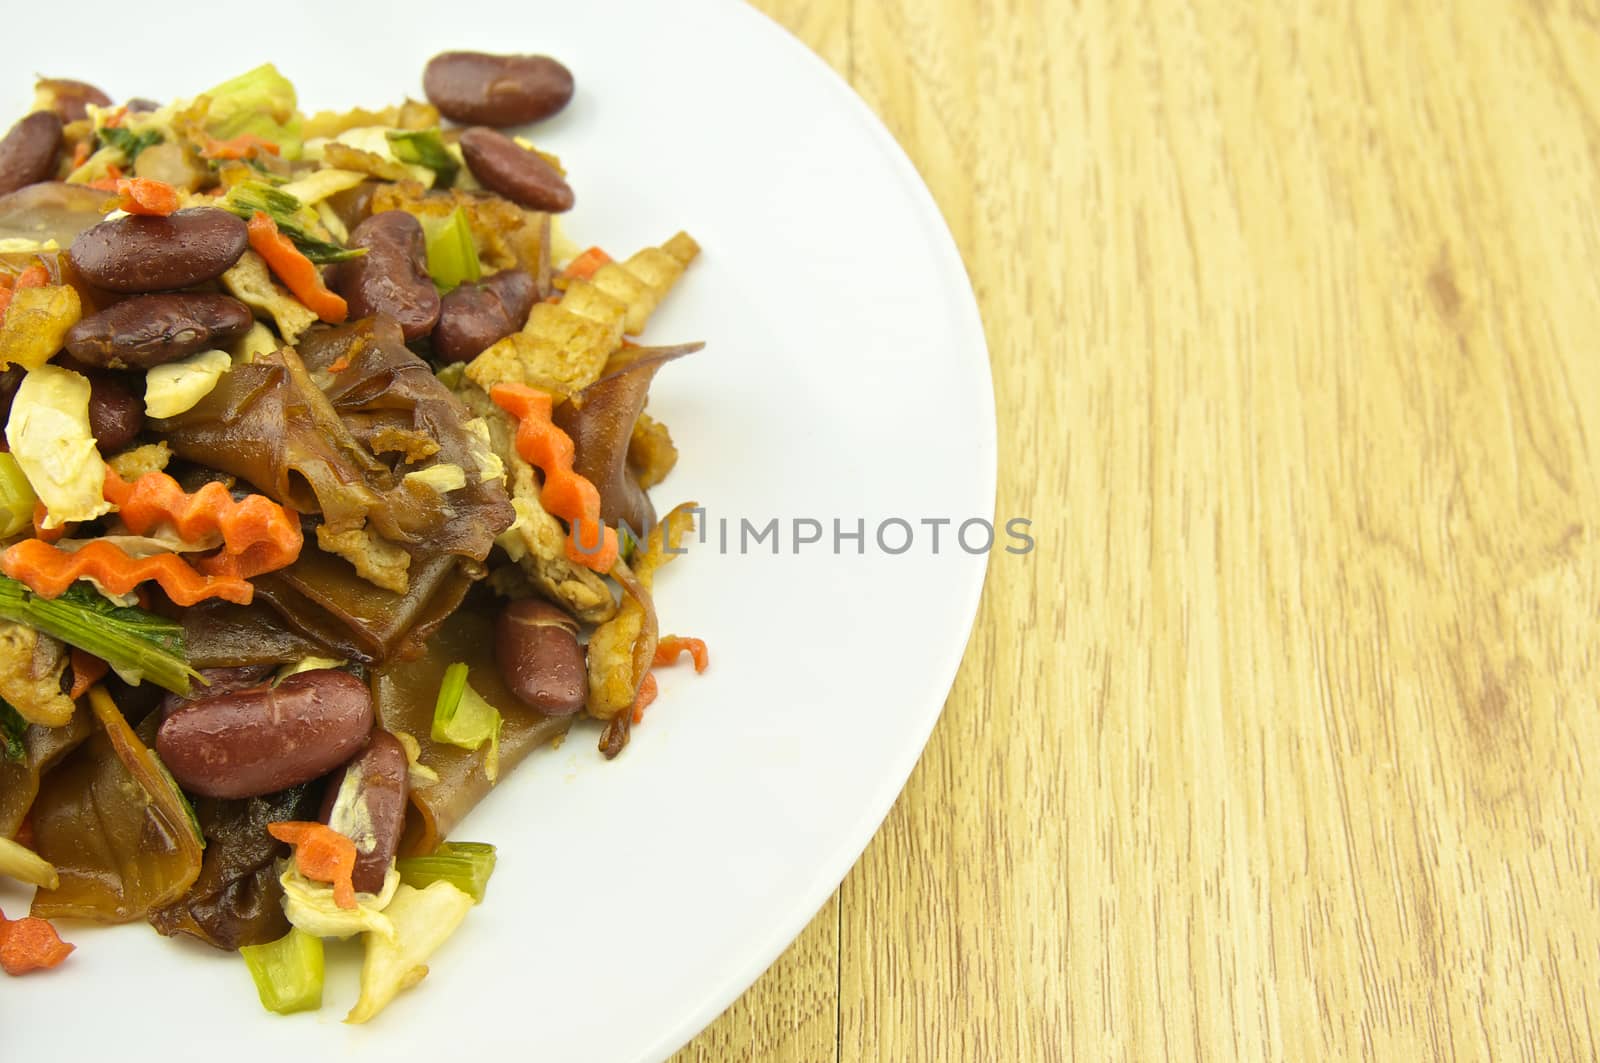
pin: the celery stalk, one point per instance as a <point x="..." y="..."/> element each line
<point x="452" y="255"/>
<point x="287" y="972"/>
<point x="137" y="644"/>
<point x="16" y="498"/>
<point x="424" y="147"/>
<point x="465" y="865"/>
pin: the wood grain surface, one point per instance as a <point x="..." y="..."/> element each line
<point x="1283" y="743"/>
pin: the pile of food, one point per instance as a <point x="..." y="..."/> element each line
<point x="322" y="504"/>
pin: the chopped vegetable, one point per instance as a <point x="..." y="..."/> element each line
<point x="141" y="195"/>
<point x="50" y="570"/>
<point x="423" y="920"/>
<point x="131" y="144"/>
<point x="671" y="646"/>
<point x="30" y="944"/>
<point x="296" y="271"/>
<point x="287" y="972"/>
<point x="424" y="147"/>
<point x="311" y="906"/>
<point x="135" y="643"/>
<point x="258" y="535"/>
<point x="452" y="256"/>
<point x="12" y="728"/>
<point x="249" y="197"/>
<point x="565" y="493"/>
<point x="176" y="387"/>
<point x="243" y="146"/>
<point x="463" y="719"/>
<point x="36" y="322"/>
<point x="465" y="865"/>
<point x="318" y="185"/>
<point x="321" y="854"/>
<point x="16" y="498"/>
<point x="87" y="670"/>
<point x="25" y="865"/>
<point x="53" y="443"/>
<point x="260" y="103"/>
<point x="586" y="264"/>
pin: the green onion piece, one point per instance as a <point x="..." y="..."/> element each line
<point x="247" y="197"/>
<point x="287" y="972"/>
<point x="137" y="644"/>
<point x="12" y="725"/>
<point x="129" y="142"/>
<point x="452" y="256"/>
<point x="465" y="865"/>
<point x="463" y="719"/>
<point x="424" y="147"/>
<point x="16" y="498"/>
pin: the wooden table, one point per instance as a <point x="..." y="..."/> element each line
<point x="1283" y="744"/>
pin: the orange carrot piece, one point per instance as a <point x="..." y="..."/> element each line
<point x="142" y="195"/>
<point x="30" y="944"/>
<point x="81" y="153"/>
<point x="647" y="695"/>
<point x="49" y="535"/>
<point x="258" y="535"/>
<point x="35" y="276"/>
<point x="669" y="648"/>
<point x="87" y="670"/>
<point x="566" y="494"/>
<point x="297" y="272"/>
<point x="5" y="301"/>
<point x="49" y="571"/>
<point x="243" y="146"/>
<point x="586" y="265"/>
<point x="322" y="854"/>
<point x="108" y="183"/>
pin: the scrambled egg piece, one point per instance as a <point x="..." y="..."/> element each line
<point x="176" y="387"/>
<point x="135" y="462"/>
<point x="51" y="440"/>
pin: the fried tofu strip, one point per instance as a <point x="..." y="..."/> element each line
<point x="251" y="283"/>
<point x="31" y="666"/>
<point x="564" y="346"/>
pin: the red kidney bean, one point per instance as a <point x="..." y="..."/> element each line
<point x="70" y="99"/>
<point x="116" y="414"/>
<point x="151" y="330"/>
<point x="28" y="152"/>
<point x="536" y="648"/>
<point x="504" y="166"/>
<point x="137" y="254"/>
<point x="140" y="105"/>
<point x="246" y="743"/>
<point x="366" y="802"/>
<point x="392" y="277"/>
<point x="474" y="316"/>
<point x="476" y="88"/>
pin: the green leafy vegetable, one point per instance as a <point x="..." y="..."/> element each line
<point x="129" y="142"/>
<point x="287" y="972"/>
<point x="260" y="102"/>
<point x="16" y="498"/>
<point x="465" y="865"/>
<point x="452" y="256"/>
<point x="424" y="147"/>
<point x="247" y="197"/>
<point x="12" y="725"/>
<point x="137" y="644"/>
<point x="463" y="719"/>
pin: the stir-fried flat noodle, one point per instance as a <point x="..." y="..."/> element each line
<point x="115" y="827"/>
<point x="405" y="693"/>
<point x="237" y="900"/>
<point x="43" y="747"/>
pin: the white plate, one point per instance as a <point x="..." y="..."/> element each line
<point x="845" y="376"/>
